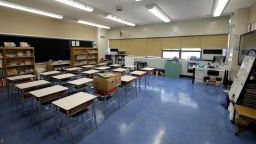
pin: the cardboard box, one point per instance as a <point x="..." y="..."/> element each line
<point x="106" y="81"/>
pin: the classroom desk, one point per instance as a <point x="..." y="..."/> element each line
<point x="46" y="95"/>
<point x="245" y="117"/>
<point x="90" y="73"/>
<point x="28" y="86"/>
<point x="50" y="73"/>
<point x="139" y="74"/>
<point x="120" y="70"/>
<point x="102" y="64"/>
<point x="103" y="68"/>
<point x="62" y="77"/>
<point x="127" y="80"/>
<point x="47" y="75"/>
<point x="75" y="104"/>
<point x="80" y="82"/>
<point x="73" y="69"/>
<point x="17" y="79"/>
<point x="149" y="71"/>
<point x="115" y="65"/>
<point x="88" y="66"/>
<point x="130" y="67"/>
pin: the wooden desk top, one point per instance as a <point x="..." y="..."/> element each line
<point x="148" y="69"/>
<point x="128" y="78"/>
<point x="90" y="72"/>
<point x="21" y="77"/>
<point x="31" y="84"/>
<point x="139" y="73"/>
<point x="246" y="112"/>
<point x="47" y="91"/>
<point x="74" y="100"/>
<point x="129" y="66"/>
<point x="102" y="64"/>
<point x="119" y="70"/>
<point x="88" y="66"/>
<point x="80" y="81"/>
<point x="50" y="73"/>
<point x="63" y="76"/>
<point x="102" y="68"/>
<point x="73" y="69"/>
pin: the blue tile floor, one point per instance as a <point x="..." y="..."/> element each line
<point x="169" y="111"/>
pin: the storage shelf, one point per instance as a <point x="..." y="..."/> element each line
<point x="20" y="74"/>
<point x="80" y="54"/>
<point x="19" y="57"/>
<point x="85" y="53"/>
<point x="80" y="59"/>
<point x="19" y="66"/>
<point x="79" y="64"/>
<point x="19" y="48"/>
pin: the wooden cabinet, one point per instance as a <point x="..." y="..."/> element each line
<point x="84" y="56"/>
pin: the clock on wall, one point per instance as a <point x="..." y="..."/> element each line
<point x="252" y="52"/>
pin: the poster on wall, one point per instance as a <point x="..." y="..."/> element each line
<point x="73" y="43"/>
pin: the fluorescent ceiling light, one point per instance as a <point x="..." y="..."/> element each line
<point x="31" y="10"/>
<point x="77" y="4"/>
<point x="118" y="19"/>
<point x="137" y="0"/>
<point x="221" y="4"/>
<point x="155" y="10"/>
<point x="92" y="24"/>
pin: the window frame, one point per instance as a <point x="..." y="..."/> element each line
<point x="172" y="50"/>
<point x="191" y="50"/>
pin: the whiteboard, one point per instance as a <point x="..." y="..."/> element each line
<point x="241" y="78"/>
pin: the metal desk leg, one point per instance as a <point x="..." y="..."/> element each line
<point x="126" y="91"/>
<point x="105" y="101"/>
<point x="145" y="78"/>
<point x="139" y="84"/>
<point x="94" y="113"/>
<point x="136" y="88"/>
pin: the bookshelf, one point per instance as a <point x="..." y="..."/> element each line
<point x="84" y="56"/>
<point x="18" y="61"/>
<point x="2" y="79"/>
<point x="59" y="65"/>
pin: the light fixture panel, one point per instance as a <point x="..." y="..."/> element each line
<point x="220" y="6"/>
<point x="92" y="24"/>
<point x="29" y="9"/>
<point x="77" y="4"/>
<point x="155" y="10"/>
<point x="118" y="19"/>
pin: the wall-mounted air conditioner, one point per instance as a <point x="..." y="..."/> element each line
<point x="208" y="54"/>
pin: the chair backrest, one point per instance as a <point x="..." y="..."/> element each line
<point x="212" y="72"/>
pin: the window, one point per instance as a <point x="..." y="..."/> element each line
<point x="187" y="53"/>
<point x="170" y="53"/>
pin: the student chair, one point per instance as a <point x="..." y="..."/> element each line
<point x="210" y="74"/>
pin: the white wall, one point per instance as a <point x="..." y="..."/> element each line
<point x="204" y="26"/>
<point x="102" y="42"/>
<point x="23" y="23"/>
<point x="239" y="24"/>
